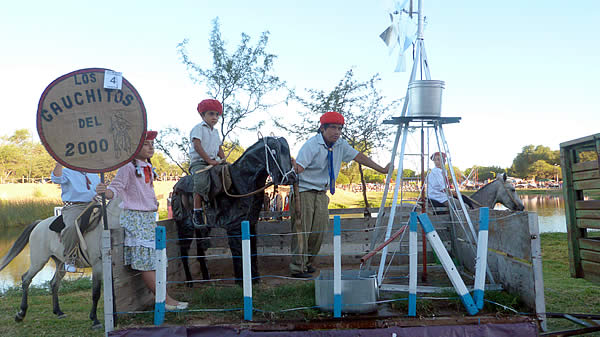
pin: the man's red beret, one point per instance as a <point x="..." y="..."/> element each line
<point x="210" y="105"/>
<point x="332" y="117"/>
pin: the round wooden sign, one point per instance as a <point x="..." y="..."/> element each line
<point x="88" y="125"/>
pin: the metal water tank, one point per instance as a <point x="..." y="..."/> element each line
<point x="425" y="98"/>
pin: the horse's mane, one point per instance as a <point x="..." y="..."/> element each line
<point x="250" y="150"/>
<point x="484" y="187"/>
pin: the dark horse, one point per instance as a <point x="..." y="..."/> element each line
<point x="237" y="194"/>
<point x="182" y="204"/>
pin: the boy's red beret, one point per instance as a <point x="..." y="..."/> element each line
<point x="332" y="117"/>
<point x="210" y="105"/>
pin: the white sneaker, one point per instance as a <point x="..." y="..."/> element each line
<point x="69" y="268"/>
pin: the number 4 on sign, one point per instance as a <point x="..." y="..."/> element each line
<point x="113" y="80"/>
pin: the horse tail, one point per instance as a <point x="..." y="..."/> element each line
<point x="18" y="246"/>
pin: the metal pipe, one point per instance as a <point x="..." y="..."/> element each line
<point x="420" y="21"/>
<point x="380" y="247"/>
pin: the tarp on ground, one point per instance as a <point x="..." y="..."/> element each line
<point x="525" y="329"/>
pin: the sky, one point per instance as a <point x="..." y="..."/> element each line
<point x="516" y="72"/>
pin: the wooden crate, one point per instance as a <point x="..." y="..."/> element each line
<point x="581" y="189"/>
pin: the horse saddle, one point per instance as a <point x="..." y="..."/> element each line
<point x="86" y="221"/>
<point x="58" y="224"/>
<point x="220" y="180"/>
<point x="89" y="218"/>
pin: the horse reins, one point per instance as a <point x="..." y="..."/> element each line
<point x="241" y="195"/>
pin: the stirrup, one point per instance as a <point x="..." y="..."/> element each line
<point x="69" y="268"/>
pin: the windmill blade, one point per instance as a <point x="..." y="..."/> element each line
<point x="389" y="37"/>
<point x="401" y="33"/>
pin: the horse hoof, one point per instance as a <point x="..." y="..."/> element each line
<point x="97" y="326"/>
<point x="19" y="317"/>
<point x="62" y="315"/>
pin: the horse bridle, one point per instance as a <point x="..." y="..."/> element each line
<point x="509" y="194"/>
<point x="272" y="152"/>
<point x="268" y="151"/>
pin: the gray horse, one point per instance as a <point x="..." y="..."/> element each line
<point x="498" y="191"/>
<point x="46" y="244"/>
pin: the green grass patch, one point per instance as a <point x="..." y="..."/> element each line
<point x="75" y="299"/>
<point x="564" y="293"/>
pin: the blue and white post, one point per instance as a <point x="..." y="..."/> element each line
<point x="447" y="263"/>
<point x="337" y="266"/>
<point x="247" y="270"/>
<point x="481" y="260"/>
<point x="161" y="275"/>
<point x="412" y="267"/>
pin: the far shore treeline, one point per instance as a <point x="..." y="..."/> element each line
<point x="23" y="160"/>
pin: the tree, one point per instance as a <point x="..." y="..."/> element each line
<point x="485" y="172"/>
<point x="542" y="170"/>
<point x="529" y="155"/>
<point x="362" y="106"/>
<point x="240" y="80"/>
<point x="175" y="145"/>
<point x="20" y="156"/>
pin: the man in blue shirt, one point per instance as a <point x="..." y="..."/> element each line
<point x="78" y="190"/>
<point x="318" y="164"/>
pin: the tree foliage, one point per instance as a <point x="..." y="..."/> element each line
<point x="21" y="157"/>
<point x="361" y="104"/>
<point x="484" y="172"/>
<point x="542" y="170"/>
<point x="531" y="154"/>
<point x="239" y="80"/>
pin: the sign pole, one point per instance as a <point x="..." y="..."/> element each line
<point x="107" y="281"/>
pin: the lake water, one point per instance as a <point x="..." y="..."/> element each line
<point x="550" y="210"/>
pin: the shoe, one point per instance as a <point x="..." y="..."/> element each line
<point x="69" y="268"/>
<point x="197" y="218"/>
<point x="302" y="275"/>
<point x="310" y="269"/>
<point x="179" y="306"/>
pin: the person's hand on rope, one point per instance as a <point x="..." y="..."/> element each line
<point x="297" y="168"/>
<point x="213" y="162"/>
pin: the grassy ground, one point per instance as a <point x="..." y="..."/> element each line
<point x="563" y="294"/>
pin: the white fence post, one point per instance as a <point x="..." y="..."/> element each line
<point x="247" y="270"/>
<point x="481" y="260"/>
<point x="109" y="322"/>
<point x="412" y="280"/>
<point x="161" y="275"/>
<point x="337" y="266"/>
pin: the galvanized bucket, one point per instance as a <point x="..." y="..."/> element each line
<point x="359" y="293"/>
<point x="425" y="98"/>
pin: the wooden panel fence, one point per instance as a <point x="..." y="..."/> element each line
<point x="581" y="189"/>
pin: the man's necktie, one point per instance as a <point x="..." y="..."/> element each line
<point x="331" y="174"/>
